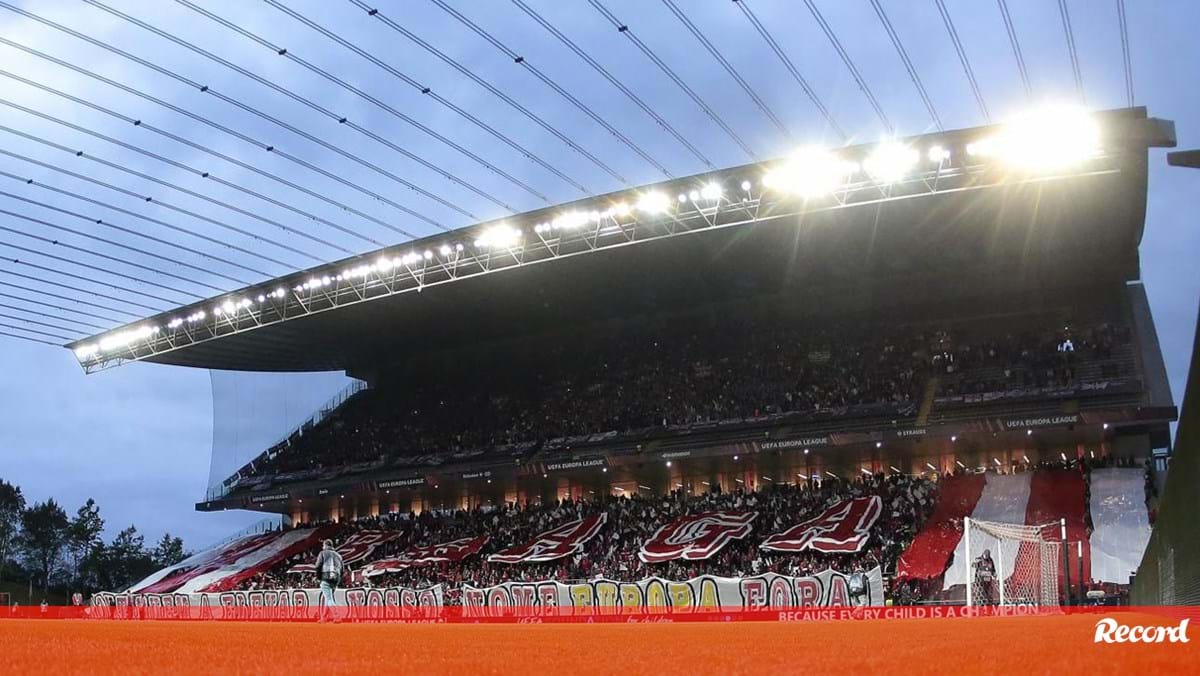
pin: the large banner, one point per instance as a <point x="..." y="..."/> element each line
<point x="446" y="552"/>
<point x="289" y="602"/>
<point x="228" y="565"/>
<point x="828" y="588"/>
<point x="844" y="527"/>
<point x="358" y="547"/>
<point x="554" y="543"/>
<point x="696" y="536"/>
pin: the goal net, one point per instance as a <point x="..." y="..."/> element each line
<point x="1012" y="564"/>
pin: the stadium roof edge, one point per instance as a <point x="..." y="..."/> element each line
<point x="589" y="225"/>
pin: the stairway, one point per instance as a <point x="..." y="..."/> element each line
<point x="931" y="387"/>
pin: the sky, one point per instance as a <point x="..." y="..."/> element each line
<point x="139" y="438"/>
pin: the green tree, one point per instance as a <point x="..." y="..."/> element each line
<point x="12" y="503"/>
<point x="168" y="552"/>
<point x="83" y="537"/>
<point x="43" y="536"/>
<point x="122" y="562"/>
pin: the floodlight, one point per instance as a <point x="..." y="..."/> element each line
<point x="428" y="255"/>
<point x="810" y="172"/>
<point x="890" y="161"/>
<point x="445" y="250"/>
<point x="499" y="235"/>
<point x="654" y="203"/>
<point x="746" y="186"/>
<point x="1045" y="139"/>
<point x="938" y="154"/>
<point x="621" y="209"/>
<point x="711" y="192"/>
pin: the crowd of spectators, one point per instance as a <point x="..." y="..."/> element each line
<point x="631" y="520"/>
<point x="674" y="379"/>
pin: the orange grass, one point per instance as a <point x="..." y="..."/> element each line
<point x="1007" y="645"/>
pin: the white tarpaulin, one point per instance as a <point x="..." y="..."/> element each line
<point x="1005" y="498"/>
<point x="1121" y="526"/>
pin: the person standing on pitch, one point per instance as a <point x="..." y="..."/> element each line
<point x="329" y="572"/>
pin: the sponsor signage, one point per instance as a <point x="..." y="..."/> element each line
<point x="273" y="497"/>
<point x="575" y="464"/>
<point x="477" y="475"/>
<point x="399" y="483"/>
<point x="1041" y="421"/>
<point x="799" y="442"/>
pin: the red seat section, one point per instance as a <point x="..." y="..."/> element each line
<point x="930" y="551"/>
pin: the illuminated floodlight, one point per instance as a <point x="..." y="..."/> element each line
<point x="428" y="255"/>
<point x="682" y="197"/>
<point x="938" y="154"/>
<point x="85" y="351"/>
<point x="711" y="192"/>
<point x="621" y="209"/>
<point x="890" y="161"/>
<point x="499" y="235"/>
<point x="1045" y="139"/>
<point x="229" y="308"/>
<point x="569" y="220"/>
<point x="126" y="338"/>
<point x="262" y="298"/>
<point x="810" y="172"/>
<point x="654" y="203"/>
<point x="445" y="250"/>
<point x="746" y="186"/>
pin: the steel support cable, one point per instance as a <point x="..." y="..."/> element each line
<point x="77" y="290"/>
<point x="849" y="63"/>
<point x="300" y="99"/>
<point x="1065" y="13"/>
<point x="549" y="82"/>
<point x="962" y="58"/>
<point x="209" y="151"/>
<point x="202" y="174"/>
<point x="220" y="127"/>
<point x="340" y="119"/>
<point x="720" y="58"/>
<point x="908" y="64"/>
<point x="95" y="268"/>
<point x="538" y="120"/>
<point x="666" y="126"/>
<point x="120" y="228"/>
<point x="368" y="97"/>
<point x="1126" y="61"/>
<point x="666" y="70"/>
<point x="70" y="299"/>
<point x="230" y="100"/>
<point x="1016" y="47"/>
<point x="48" y="315"/>
<point x="192" y="193"/>
<point x="791" y="67"/>
<point x="115" y="259"/>
<point x="42" y="303"/>
<point x="148" y="219"/>
<point x="438" y="98"/>
<point x="6" y="334"/>
<point x="42" y="268"/>
<point x="41" y="333"/>
<point x="37" y="322"/>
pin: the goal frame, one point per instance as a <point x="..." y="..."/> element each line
<point x="999" y="560"/>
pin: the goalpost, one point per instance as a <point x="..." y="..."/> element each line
<point x="1013" y="564"/>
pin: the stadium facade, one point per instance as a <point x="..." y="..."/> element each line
<point x="937" y="235"/>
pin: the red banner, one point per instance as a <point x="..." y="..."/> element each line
<point x="696" y="536"/>
<point x="844" y="527"/>
<point x="446" y="552"/>
<point x="357" y="547"/>
<point x="555" y="543"/>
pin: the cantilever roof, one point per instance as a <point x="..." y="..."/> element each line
<point x="943" y="219"/>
